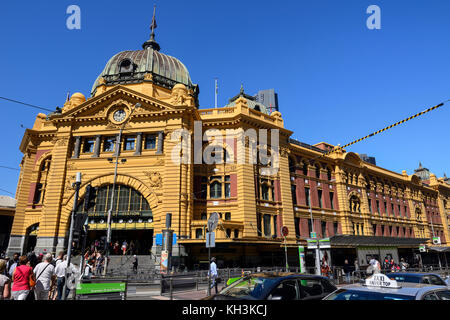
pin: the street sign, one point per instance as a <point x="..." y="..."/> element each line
<point x="159" y="239"/>
<point x="210" y="240"/>
<point x="284" y="231"/>
<point x="313" y="235"/>
<point x="301" y="257"/>
<point x="213" y="221"/>
<point x="323" y="243"/>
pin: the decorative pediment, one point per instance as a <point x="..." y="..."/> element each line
<point x="103" y="105"/>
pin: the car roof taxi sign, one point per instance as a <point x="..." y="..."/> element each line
<point x="381" y="281"/>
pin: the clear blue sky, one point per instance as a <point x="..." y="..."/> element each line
<point x="336" y="79"/>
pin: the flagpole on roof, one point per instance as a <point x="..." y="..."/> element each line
<point x="216" y="91"/>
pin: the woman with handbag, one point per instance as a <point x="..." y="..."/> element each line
<point x="23" y="280"/>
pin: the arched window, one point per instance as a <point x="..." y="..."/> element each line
<point x="128" y="204"/>
<point x="317" y="171"/>
<point x="305" y="168"/>
<point x="41" y="183"/>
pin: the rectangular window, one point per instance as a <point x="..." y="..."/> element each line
<point x="378" y="206"/>
<point x="320" y="197"/>
<point x="370" y="205"/>
<point x="215" y="190"/>
<point x="297" y="227"/>
<point x="267" y="225"/>
<point x="374" y="229"/>
<point x="37" y="193"/>
<point x="129" y="143"/>
<point x="108" y="144"/>
<point x="150" y="142"/>
<point x="227" y="187"/>
<point x="227" y="216"/>
<point x="275" y="226"/>
<point x="392" y="209"/>
<point x="390" y="231"/>
<point x="310" y="227"/>
<point x="335" y="227"/>
<point x="308" y="200"/>
<point x="331" y="200"/>
<point x="399" y="210"/>
<point x="258" y="222"/>
<point x="324" y="229"/>
<point x="406" y="210"/>
<point x="385" y="208"/>
<point x="294" y="194"/>
<point x="199" y="233"/>
<point x="88" y="145"/>
<point x="382" y="230"/>
<point x="204" y="188"/>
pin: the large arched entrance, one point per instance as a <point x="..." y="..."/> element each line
<point x="131" y="219"/>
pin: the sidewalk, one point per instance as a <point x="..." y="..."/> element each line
<point x="145" y="294"/>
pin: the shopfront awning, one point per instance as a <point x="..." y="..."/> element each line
<point x="356" y="241"/>
<point x="439" y="249"/>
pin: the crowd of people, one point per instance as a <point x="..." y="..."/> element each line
<point x="387" y="265"/>
<point x="31" y="277"/>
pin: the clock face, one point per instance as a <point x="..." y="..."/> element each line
<point x="119" y="115"/>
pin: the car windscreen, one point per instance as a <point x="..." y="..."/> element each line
<point x="404" y="278"/>
<point x="250" y="288"/>
<point x="348" y="294"/>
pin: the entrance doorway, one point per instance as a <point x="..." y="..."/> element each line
<point x="31" y="238"/>
<point x="139" y="242"/>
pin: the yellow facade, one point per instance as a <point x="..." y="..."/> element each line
<point x="49" y="166"/>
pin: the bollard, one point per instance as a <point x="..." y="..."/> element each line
<point x="171" y="293"/>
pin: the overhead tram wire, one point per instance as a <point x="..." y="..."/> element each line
<point x="379" y="131"/>
<point x="10" y="168"/>
<point x="27" y="104"/>
<point x="7" y="191"/>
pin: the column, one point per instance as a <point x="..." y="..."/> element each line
<point x="160" y="142"/>
<point x="76" y="153"/>
<point x="97" y="146"/>
<point x="138" y="144"/>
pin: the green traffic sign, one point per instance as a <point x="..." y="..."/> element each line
<point x="92" y="288"/>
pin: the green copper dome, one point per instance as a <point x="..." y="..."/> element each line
<point x="132" y="66"/>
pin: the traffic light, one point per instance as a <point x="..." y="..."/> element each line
<point x="89" y="197"/>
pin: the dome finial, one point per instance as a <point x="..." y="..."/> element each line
<point x="152" y="43"/>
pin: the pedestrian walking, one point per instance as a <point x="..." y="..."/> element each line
<point x="5" y="282"/>
<point x="403" y="264"/>
<point x="59" y="259"/>
<point x="116" y="247"/>
<point x="100" y="260"/>
<point x="12" y="264"/>
<point x="45" y="274"/>
<point x="135" y="263"/>
<point x="87" y="273"/>
<point x="213" y="273"/>
<point x="22" y="277"/>
<point x="347" y="271"/>
<point x="60" y="272"/>
<point x="124" y="247"/>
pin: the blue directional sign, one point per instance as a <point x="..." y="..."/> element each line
<point x="159" y="239"/>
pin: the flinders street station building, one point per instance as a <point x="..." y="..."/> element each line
<point x="146" y="98"/>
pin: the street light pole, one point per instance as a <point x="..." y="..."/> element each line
<point x="69" y="245"/>
<point x="317" y="238"/>
<point x="108" y="223"/>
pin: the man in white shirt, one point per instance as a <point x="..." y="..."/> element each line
<point x="213" y="272"/>
<point x="44" y="273"/>
<point x="60" y="272"/>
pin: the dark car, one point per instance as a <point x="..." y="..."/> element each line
<point x="416" y="277"/>
<point x="277" y="286"/>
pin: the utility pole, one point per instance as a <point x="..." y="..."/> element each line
<point x="108" y="223"/>
<point x="69" y="249"/>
